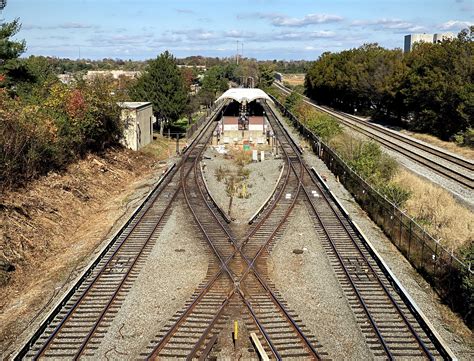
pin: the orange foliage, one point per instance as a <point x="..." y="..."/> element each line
<point x="75" y="105"/>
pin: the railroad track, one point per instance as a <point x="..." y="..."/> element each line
<point x="239" y="289"/>
<point x="78" y="324"/>
<point x="448" y="165"/>
<point x="237" y="285"/>
<point x="391" y="325"/>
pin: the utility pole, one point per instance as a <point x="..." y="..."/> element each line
<point x="242" y="49"/>
<point x="237" y="56"/>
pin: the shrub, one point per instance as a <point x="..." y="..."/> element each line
<point x="41" y="134"/>
<point x="242" y="158"/>
<point x="220" y="173"/>
<point x="396" y="194"/>
<point x="465" y="138"/>
<point x="325" y="126"/>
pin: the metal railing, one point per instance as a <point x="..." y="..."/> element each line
<point x="439" y="266"/>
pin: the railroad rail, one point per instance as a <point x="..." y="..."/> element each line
<point x="78" y="323"/>
<point x="448" y="165"/>
<point x="238" y="282"/>
<point x="391" y="325"/>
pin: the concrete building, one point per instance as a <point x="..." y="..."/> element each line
<point x="426" y="38"/>
<point x="138" y="122"/>
<point x="116" y="74"/>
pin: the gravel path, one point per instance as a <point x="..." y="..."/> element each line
<point x="318" y="299"/>
<point x="451" y="328"/>
<point x="262" y="179"/>
<point x="173" y="270"/>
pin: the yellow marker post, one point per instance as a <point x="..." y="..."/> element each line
<point x="236" y="330"/>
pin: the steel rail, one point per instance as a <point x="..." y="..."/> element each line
<point x="347" y="119"/>
<point x="125" y="278"/>
<point x="332" y="242"/>
<point x="237" y="249"/>
<point x="84" y="293"/>
<point x="224" y="263"/>
<point x="251" y="266"/>
<point x="58" y="328"/>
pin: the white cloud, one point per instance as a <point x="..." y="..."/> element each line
<point x="286" y="21"/>
<point x="303" y="35"/>
<point x="397" y="25"/>
<point x="455" y="25"/>
<point x="60" y="26"/>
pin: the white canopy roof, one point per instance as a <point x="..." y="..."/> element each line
<point x="244" y="94"/>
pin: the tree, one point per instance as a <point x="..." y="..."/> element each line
<point x="214" y="81"/>
<point x="10" y="67"/>
<point x="266" y="76"/>
<point x="162" y="84"/>
<point x="292" y="101"/>
<point x="431" y="88"/>
<point x="438" y="90"/>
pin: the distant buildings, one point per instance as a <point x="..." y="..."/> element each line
<point x="116" y="74"/>
<point x="426" y="38"/>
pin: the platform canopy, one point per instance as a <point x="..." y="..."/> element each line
<point x="244" y="94"/>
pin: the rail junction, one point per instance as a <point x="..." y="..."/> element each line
<point x="238" y="282"/>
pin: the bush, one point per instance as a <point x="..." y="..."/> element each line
<point x="292" y="101"/>
<point x="465" y="138"/>
<point x="467" y="287"/>
<point x="324" y="126"/>
<point x="47" y="133"/>
<point x="396" y="194"/>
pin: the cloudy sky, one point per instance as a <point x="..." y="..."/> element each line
<point x="269" y="29"/>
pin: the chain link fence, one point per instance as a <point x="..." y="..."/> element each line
<point x="439" y="266"/>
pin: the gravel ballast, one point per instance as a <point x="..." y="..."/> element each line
<point x="302" y="273"/>
<point x="451" y="328"/>
<point x="262" y="180"/>
<point x="173" y="270"/>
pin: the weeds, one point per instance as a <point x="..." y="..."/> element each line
<point x="221" y="173"/>
<point x="437" y="211"/>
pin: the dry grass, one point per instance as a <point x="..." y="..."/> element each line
<point x="241" y="157"/>
<point x="162" y="147"/>
<point x="450" y="146"/>
<point x="294" y="79"/>
<point x="438" y="211"/>
<point x="55" y="222"/>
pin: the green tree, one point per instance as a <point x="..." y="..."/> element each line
<point x="214" y="81"/>
<point x="266" y="76"/>
<point x="438" y="90"/>
<point x="162" y="84"/>
<point x="11" y="68"/>
<point x="292" y="101"/>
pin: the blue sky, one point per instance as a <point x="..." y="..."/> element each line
<point x="269" y="29"/>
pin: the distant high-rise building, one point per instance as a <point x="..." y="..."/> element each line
<point x="427" y="38"/>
